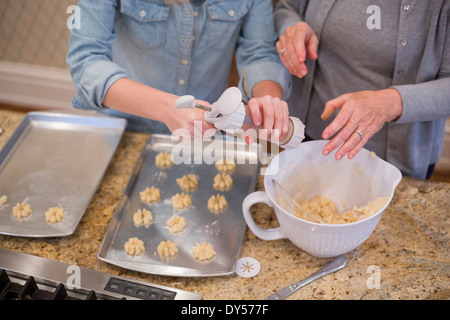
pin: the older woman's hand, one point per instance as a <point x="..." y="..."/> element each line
<point x="361" y="115"/>
<point x="294" y="44"/>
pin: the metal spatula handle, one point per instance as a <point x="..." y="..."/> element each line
<point x="291" y="203"/>
<point x="331" y="267"/>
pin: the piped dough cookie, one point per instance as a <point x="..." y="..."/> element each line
<point x="22" y="210"/>
<point x="188" y="182"/>
<point x="54" y="215"/>
<point x="134" y="246"/>
<point x="225" y="165"/>
<point x="181" y="201"/>
<point x="217" y="203"/>
<point x="164" y="160"/>
<point x="3" y="201"/>
<point x="222" y="182"/>
<point x="143" y="217"/>
<point x="176" y="224"/>
<point x="150" y="195"/>
<point x="203" y="251"/>
<point x="167" y="248"/>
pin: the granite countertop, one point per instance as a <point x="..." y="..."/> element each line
<point x="409" y="247"/>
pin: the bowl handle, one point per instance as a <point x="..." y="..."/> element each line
<point x="265" y="234"/>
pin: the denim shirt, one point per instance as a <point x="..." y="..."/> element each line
<point x="180" y="49"/>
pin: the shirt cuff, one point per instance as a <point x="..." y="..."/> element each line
<point x="94" y="84"/>
<point x="262" y="71"/>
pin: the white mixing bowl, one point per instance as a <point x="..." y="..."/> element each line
<point x="304" y="172"/>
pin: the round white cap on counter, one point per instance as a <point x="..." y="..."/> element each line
<point x="247" y="267"/>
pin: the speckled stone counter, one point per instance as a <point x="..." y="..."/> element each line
<point x="409" y="249"/>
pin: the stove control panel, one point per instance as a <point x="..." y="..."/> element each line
<point x="137" y="290"/>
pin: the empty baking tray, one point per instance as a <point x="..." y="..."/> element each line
<point x="55" y="160"/>
<point x="224" y="231"/>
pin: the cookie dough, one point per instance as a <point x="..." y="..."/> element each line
<point x="3" y="201"/>
<point x="143" y="217"/>
<point x="22" y="210"/>
<point x="167" y="248"/>
<point x="164" y="160"/>
<point x="54" y="215"/>
<point x="188" y="182"/>
<point x="371" y="208"/>
<point x="176" y="224"/>
<point x="203" y="251"/>
<point x="222" y="182"/>
<point x="225" y="165"/>
<point x="134" y="246"/>
<point x="325" y="209"/>
<point x="150" y="195"/>
<point x="181" y="201"/>
<point x="217" y="203"/>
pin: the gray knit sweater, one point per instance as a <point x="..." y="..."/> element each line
<point x="420" y="63"/>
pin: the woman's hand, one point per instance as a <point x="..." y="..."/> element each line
<point x="189" y="123"/>
<point x="294" y="44"/>
<point x="268" y="108"/>
<point x="361" y="115"/>
<point x="275" y="113"/>
<point x="132" y="97"/>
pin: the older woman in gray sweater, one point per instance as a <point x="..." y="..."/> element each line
<point x="383" y="66"/>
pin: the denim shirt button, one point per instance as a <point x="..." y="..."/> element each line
<point x="181" y="82"/>
<point x="142" y="13"/>
<point x="231" y="13"/>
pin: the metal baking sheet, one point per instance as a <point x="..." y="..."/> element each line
<point x="55" y="159"/>
<point x="224" y="230"/>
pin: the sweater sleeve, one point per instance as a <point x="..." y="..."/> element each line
<point x="288" y="13"/>
<point x="429" y="100"/>
<point x="425" y="101"/>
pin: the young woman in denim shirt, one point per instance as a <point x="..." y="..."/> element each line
<point x="136" y="57"/>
